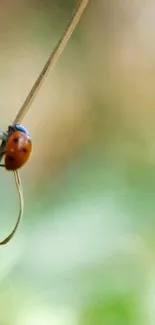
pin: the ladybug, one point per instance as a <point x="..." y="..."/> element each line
<point x="17" y="147"/>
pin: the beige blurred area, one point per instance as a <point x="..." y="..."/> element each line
<point x="57" y="119"/>
<point x="109" y="60"/>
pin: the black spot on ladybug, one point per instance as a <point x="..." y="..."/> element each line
<point x="11" y="158"/>
<point x="24" y="150"/>
<point x="16" y="140"/>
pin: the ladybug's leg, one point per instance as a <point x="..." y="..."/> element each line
<point x="2" y="165"/>
<point x="3" y="136"/>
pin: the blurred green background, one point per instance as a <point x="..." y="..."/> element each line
<point x="84" y="254"/>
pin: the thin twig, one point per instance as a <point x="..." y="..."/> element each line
<point x="31" y="96"/>
<point x="51" y="61"/>
<point x="21" y="200"/>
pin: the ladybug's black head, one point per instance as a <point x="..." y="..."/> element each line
<point x="17" y="127"/>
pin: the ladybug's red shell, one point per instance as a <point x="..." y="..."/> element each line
<point x="18" y="150"/>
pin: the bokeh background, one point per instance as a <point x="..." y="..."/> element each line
<point x="85" y="252"/>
